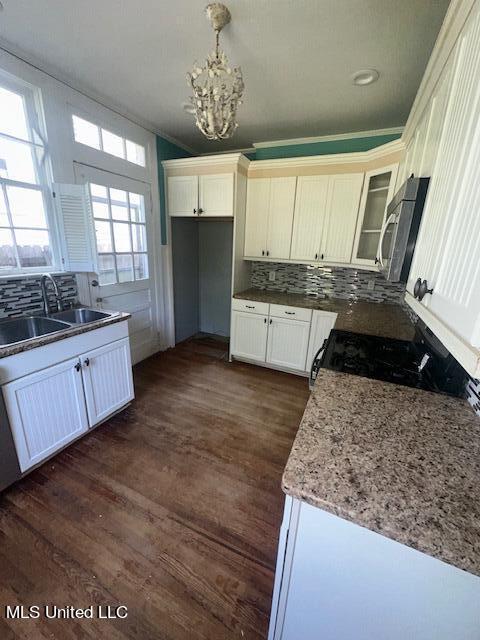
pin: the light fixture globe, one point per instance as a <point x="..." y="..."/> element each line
<point x="217" y="87"/>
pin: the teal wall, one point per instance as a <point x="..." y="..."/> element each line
<point x="349" y="145"/>
<point x="166" y="151"/>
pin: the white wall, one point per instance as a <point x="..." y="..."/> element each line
<point x="59" y="101"/>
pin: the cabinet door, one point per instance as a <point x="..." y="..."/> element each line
<point x="280" y="218"/>
<point x="107" y="376"/>
<point x="216" y="195"/>
<point x="182" y="195"/>
<point x="288" y="343"/>
<point x="341" y="220"/>
<point x="310" y="209"/>
<point x="249" y="335"/>
<point x="46" y="411"/>
<point x="377" y="193"/>
<point x="256" y="224"/>
<point x="322" y="324"/>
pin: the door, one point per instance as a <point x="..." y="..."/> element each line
<point x="288" y="343"/>
<point x="379" y="190"/>
<point x="124" y="235"/>
<point x="46" y="411"/>
<point x="341" y="220"/>
<point x="310" y="210"/>
<point x="322" y="323"/>
<point x="280" y="217"/>
<point x="256" y="224"/>
<point x="106" y="392"/>
<point x="216" y="195"/>
<point x="249" y="335"/>
<point x="182" y="195"/>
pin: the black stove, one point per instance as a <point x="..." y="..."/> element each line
<point x="423" y="363"/>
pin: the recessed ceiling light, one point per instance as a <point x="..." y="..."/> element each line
<point x="365" y="76"/>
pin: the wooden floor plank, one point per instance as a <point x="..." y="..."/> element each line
<point x="172" y="507"/>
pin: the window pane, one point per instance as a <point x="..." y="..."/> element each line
<point x="118" y="200"/>
<point x="86" y="132"/>
<point x="106" y="270"/>
<point x="13" y="120"/>
<point x="100" y="209"/>
<point x="121" y="233"/>
<point x="104" y="238"/>
<point x="113" y="144"/>
<point x="125" y="268"/>
<point x="16" y="161"/>
<point x="98" y="191"/>
<point x="140" y="263"/>
<point x="138" y="237"/>
<point x="137" y="211"/>
<point x="26" y="207"/>
<point x="33" y="248"/>
<point x="135" y="153"/>
<point x="3" y="210"/>
<point x="7" y="254"/>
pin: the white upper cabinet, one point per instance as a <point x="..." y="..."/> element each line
<point x="378" y="191"/>
<point x="280" y="218"/>
<point x="270" y="205"/>
<point x="210" y="195"/>
<point x="216" y="195"/>
<point x="344" y="193"/>
<point x="256" y="224"/>
<point x="310" y="211"/>
<point x="182" y="195"/>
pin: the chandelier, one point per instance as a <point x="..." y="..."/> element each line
<point x="217" y="87"/>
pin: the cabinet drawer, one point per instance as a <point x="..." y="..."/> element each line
<point x="250" y="307"/>
<point x="294" y="313"/>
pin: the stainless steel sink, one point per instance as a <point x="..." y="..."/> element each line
<point x="81" y="316"/>
<point x="20" y="329"/>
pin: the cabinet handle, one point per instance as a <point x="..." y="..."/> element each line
<point x="316" y="256"/>
<point x="423" y="290"/>
<point x="268" y="253"/>
<point x="86" y="362"/>
<point x="271" y="321"/>
<point x="416" y="288"/>
<point x="77" y="367"/>
<point x="265" y="321"/>
<point x="322" y="256"/>
<point x="249" y="306"/>
<point x="290" y="313"/>
<point x="194" y="211"/>
<point x="200" y="211"/>
<point x="377" y="261"/>
<point x="263" y="252"/>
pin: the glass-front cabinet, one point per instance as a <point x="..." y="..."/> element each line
<point x="379" y="188"/>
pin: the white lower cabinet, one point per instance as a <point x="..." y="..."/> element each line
<point x="51" y="407"/>
<point x="106" y="393"/>
<point x="336" y="580"/>
<point x="287" y="343"/>
<point x="249" y="335"/>
<point x="46" y="411"/>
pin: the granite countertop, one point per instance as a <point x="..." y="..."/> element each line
<point x="73" y="330"/>
<point x="372" y="318"/>
<point x="402" y="462"/>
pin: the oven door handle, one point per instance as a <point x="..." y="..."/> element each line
<point x="390" y="220"/>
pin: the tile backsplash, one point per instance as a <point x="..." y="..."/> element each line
<point x="22" y="295"/>
<point x="334" y="282"/>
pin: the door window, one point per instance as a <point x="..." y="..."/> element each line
<point x="120" y="231"/>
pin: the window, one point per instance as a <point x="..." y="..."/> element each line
<point x="120" y="232"/>
<point x="25" y="241"/>
<point x="94" y="136"/>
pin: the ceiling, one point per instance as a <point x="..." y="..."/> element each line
<point x="297" y="58"/>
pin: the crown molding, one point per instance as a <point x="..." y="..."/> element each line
<point x="340" y="136"/>
<point x="56" y="75"/>
<point x="219" y="153"/>
<point x="453" y="23"/>
<point x="199" y="161"/>
<point x="330" y="159"/>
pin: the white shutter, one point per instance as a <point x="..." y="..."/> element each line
<point x="76" y="219"/>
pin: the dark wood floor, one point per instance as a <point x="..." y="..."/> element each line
<point x="171" y="508"/>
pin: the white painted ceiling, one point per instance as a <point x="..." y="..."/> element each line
<point x="297" y="57"/>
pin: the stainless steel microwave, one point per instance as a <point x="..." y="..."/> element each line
<point x="400" y="230"/>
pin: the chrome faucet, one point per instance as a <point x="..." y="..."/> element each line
<point x="58" y="295"/>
